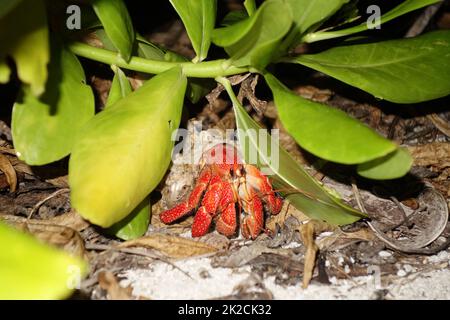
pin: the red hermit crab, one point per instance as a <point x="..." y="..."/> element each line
<point x="225" y="181"/>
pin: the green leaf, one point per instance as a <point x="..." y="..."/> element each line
<point x="123" y="152"/>
<point x="120" y="87"/>
<point x="44" y="128"/>
<point x="7" y="6"/>
<point x="30" y="269"/>
<point x="250" y="7"/>
<point x="348" y="13"/>
<point x="148" y="50"/>
<point x="135" y="224"/>
<point x="307" y="13"/>
<point x="402" y="71"/>
<point x="233" y="17"/>
<point x="305" y="194"/>
<point x="401" y="9"/>
<point x="324" y="131"/>
<point x="392" y="166"/>
<point x="253" y="41"/>
<point x="199" y="18"/>
<point x="5" y="72"/>
<point x="117" y="23"/>
<point x="143" y="48"/>
<point x="24" y="37"/>
<point x="198" y="88"/>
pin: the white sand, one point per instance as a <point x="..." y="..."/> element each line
<point x="163" y="281"/>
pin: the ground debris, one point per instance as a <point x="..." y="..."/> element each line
<point x="171" y="246"/>
<point x="107" y="281"/>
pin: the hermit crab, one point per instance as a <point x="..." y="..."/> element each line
<point x="225" y="188"/>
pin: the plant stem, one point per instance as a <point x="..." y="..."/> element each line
<point x="208" y="69"/>
<point x="321" y="35"/>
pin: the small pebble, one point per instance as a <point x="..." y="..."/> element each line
<point x="340" y="261"/>
<point x="384" y="254"/>
<point x="408" y="268"/>
<point x="401" y="273"/>
<point x="443" y="255"/>
<point x="347" y="269"/>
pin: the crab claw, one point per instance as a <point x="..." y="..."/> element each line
<point x="227" y="222"/>
<point x="191" y="203"/>
<point x="262" y="185"/>
<point x="253" y="223"/>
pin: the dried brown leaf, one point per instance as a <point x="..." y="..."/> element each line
<point x="286" y="211"/>
<point x="7" y="168"/>
<point x="308" y="232"/>
<point x="171" y="246"/>
<point x="20" y="166"/>
<point x="108" y="282"/>
<point x="61" y="236"/>
<point x="7" y="150"/>
<point x="436" y="154"/>
<point x="440" y="123"/>
<point x="245" y="254"/>
<point x="61" y="182"/>
<point x="70" y="219"/>
<point x="340" y="239"/>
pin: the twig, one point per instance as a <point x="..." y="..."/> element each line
<point x="105" y="247"/>
<point x="406" y="218"/>
<point x="40" y="203"/>
<point x="440" y="124"/>
<point x="424" y="19"/>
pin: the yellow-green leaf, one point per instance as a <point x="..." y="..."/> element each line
<point x="44" y="128"/>
<point x="199" y="17"/>
<point x="123" y="152"/>
<point x="135" y="224"/>
<point x="120" y="87"/>
<point x="117" y="23"/>
<point x="30" y="269"/>
<point x="24" y="37"/>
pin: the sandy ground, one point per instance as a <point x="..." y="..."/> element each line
<point x="195" y="278"/>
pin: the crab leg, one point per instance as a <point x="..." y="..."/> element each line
<point x="208" y="209"/>
<point x="191" y="203"/>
